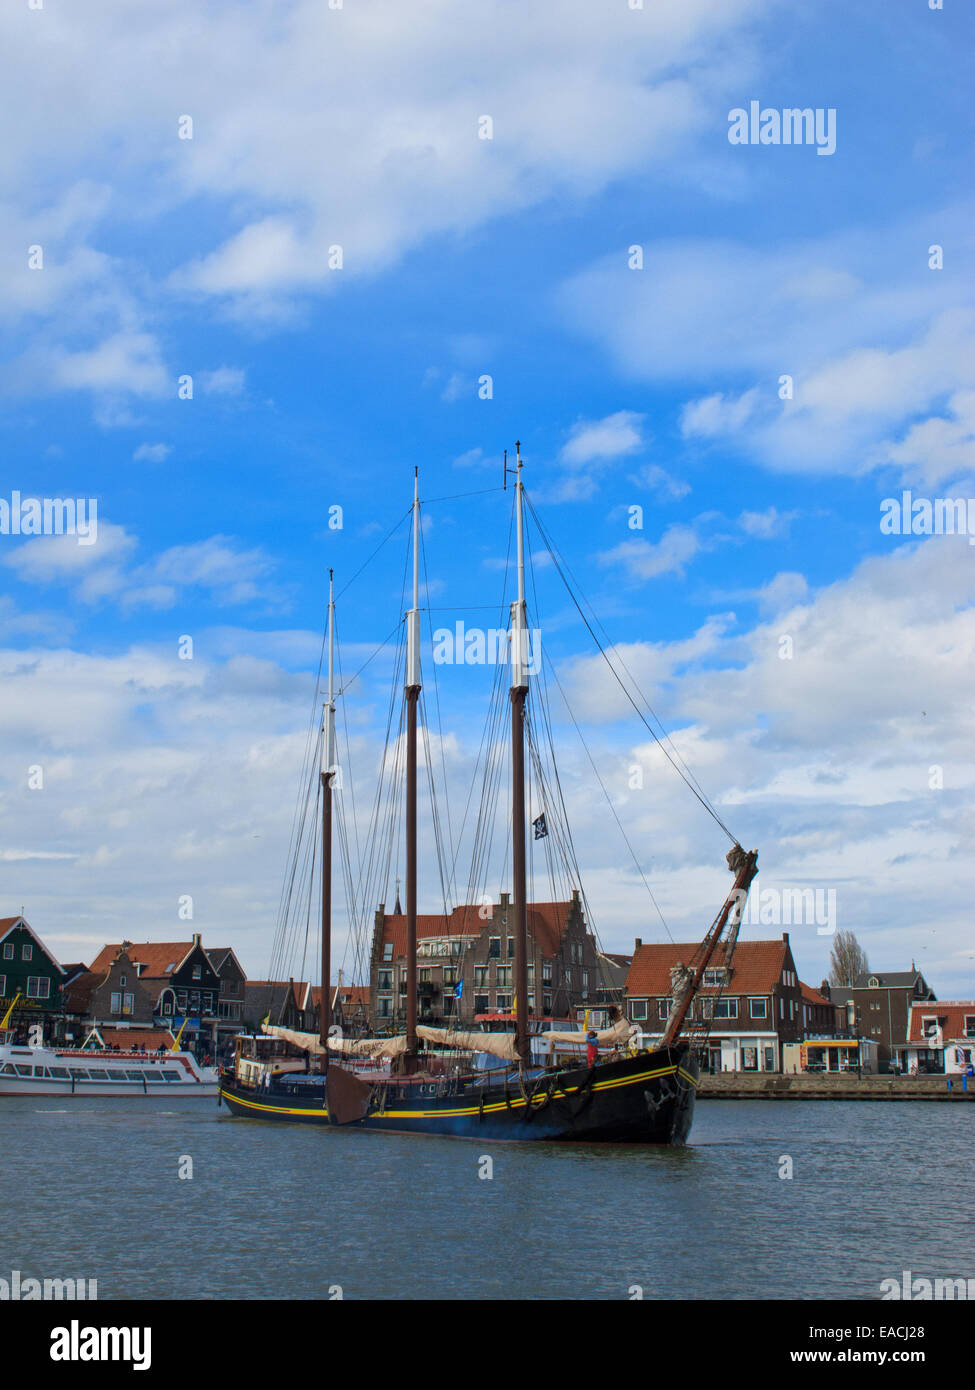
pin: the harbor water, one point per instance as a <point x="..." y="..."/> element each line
<point x="94" y="1191"/>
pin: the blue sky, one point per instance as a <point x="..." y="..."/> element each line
<point x="655" y="387"/>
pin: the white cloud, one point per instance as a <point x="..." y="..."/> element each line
<point x="152" y="453"/>
<point x="224" y="381"/>
<point x="767" y="525"/>
<point x="866" y="334"/>
<point x="650" y="559"/>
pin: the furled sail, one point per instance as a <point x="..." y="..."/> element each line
<point x="619" y="1033"/>
<point x="497" y="1044"/>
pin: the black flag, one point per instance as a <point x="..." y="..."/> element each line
<point x="539" y="827"/>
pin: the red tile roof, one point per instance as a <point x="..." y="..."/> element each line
<point x="154" y="956"/>
<point x="813" y="996"/>
<point x="77" y="995"/>
<point x="950" y="1014"/>
<point x="129" y="1038"/>
<point x="756" y="967"/>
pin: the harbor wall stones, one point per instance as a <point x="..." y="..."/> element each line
<point x="772" y="1086"/>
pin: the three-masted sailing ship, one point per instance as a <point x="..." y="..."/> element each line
<point x="525" y="1084"/>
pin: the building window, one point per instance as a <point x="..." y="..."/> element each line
<point x="231" y="986"/>
<point x="504" y="1003"/>
<point x="494" y="948"/>
<point x="663" y="1008"/>
<point x="197" y="972"/>
<point x="480" y="976"/>
<point x="449" y="975"/>
<point x="504" y="975"/>
<point x="385" y="1006"/>
<point x="638" y="1009"/>
<point x="38" y="987"/>
<point x="385" y="979"/>
<point x="8" y="950"/>
<point x="970" y="1025"/>
<point x="482" y="1003"/>
<point x="511" y="948"/>
<point x="546" y="972"/>
<point x="585" y="979"/>
<point x="547" y="1003"/>
<point x="3" y="985"/>
<point x="726" y="1008"/>
<point x="568" y="979"/>
<point x="758" y="1008"/>
<point x="387" y="950"/>
<point x="26" y="952"/>
<point x="425" y="976"/>
<point x="929" y="1027"/>
<point x="128" y="1003"/>
<point x="121" y="980"/>
<point x="715" y="976"/>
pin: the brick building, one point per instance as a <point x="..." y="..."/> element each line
<point x="466" y="964"/>
<point x="753" y="1012"/>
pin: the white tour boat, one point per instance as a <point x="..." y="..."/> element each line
<point x="59" y="1071"/>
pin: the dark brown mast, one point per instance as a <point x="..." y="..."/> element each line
<point x="328" y="760"/>
<point x="412" y="700"/>
<point x="744" y="866"/>
<point x="519" y="694"/>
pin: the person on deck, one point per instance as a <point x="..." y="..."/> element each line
<point x="592" y="1048"/>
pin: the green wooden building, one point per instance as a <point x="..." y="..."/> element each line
<point x="29" y="969"/>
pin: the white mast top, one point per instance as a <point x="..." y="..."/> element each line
<point x="413" y="617"/>
<point x="519" y="619"/>
<point x="328" y="709"/>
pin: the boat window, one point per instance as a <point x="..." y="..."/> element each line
<point x="98" y="1074"/>
<point x="59" y="1072"/>
<point x="151" y="1074"/>
<point x="168" y="1075"/>
<point x="134" y="1075"/>
<point x="25" y="1071"/>
<point x="79" y="1073"/>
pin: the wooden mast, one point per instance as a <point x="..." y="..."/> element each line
<point x="412" y="699"/>
<point x="519" y="693"/>
<point x="744" y="866"/>
<point x="328" y="761"/>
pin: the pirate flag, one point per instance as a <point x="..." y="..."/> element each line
<point x="539" y="827"/>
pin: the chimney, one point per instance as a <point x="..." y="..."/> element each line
<point x="637" y="942"/>
<point x="785" y="937"/>
<point x="196" y="938"/>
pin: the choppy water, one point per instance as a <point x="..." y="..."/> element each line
<point x="91" y="1189"/>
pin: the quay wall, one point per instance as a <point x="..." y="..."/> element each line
<point x="817" y="1086"/>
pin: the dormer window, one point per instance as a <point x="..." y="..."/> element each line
<point x="929" y="1026"/>
<point x="873" y="982"/>
<point x="387" y="950"/>
<point x="970" y="1025"/>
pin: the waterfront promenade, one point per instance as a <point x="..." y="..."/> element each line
<point x="830" y="1086"/>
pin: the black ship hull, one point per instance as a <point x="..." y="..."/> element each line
<point x="646" y="1099"/>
